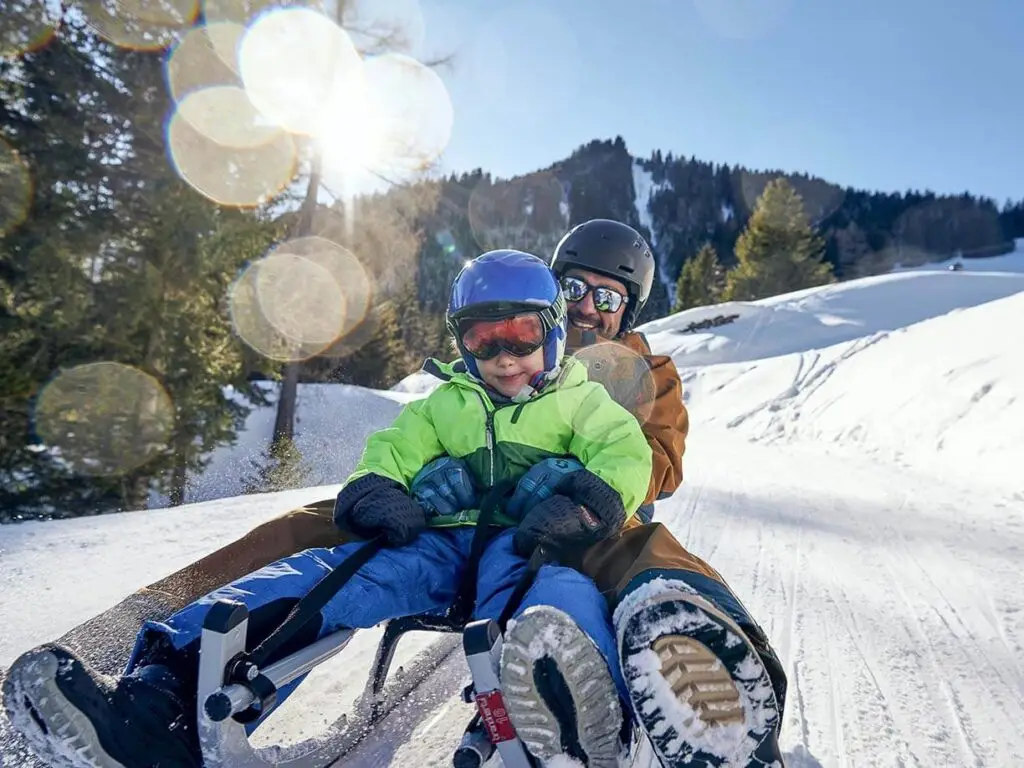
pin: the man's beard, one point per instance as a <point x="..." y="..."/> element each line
<point x="577" y="338"/>
<point x="595" y="323"/>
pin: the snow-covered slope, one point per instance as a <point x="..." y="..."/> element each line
<point x="854" y="471"/>
<point x="331" y="421"/>
<point x="918" y="367"/>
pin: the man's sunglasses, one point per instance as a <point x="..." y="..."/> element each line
<point x="519" y="335"/>
<point x="605" y="299"/>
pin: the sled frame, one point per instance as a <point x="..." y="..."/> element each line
<point x="221" y="704"/>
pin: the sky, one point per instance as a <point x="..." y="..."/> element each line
<point x="914" y="94"/>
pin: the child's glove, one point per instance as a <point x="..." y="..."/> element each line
<point x="444" y="487"/>
<point x="539" y="484"/>
<point x="583" y="511"/>
<point x="376" y="504"/>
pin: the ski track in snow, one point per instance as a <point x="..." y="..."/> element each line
<point x="883" y="604"/>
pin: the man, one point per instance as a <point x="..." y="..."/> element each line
<point x="606" y="271"/>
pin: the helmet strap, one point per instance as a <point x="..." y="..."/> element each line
<point x="538" y="382"/>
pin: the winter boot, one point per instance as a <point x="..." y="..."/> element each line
<point x="699" y="689"/>
<point x="73" y="716"/>
<point x="560" y="696"/>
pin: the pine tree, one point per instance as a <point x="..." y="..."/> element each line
<point x="378" y="359"/>
<point x="701" y="282"/>
<point x="56" y="142"/>
<point x="282" y="467"/>
<point x="119" y="260"/>
<point x="778" y="251"/>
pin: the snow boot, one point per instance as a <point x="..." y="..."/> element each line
<point x="75" y="717"/>
<point x="700" y="692"/>
<point x="560" y="696"/>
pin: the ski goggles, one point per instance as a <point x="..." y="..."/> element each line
<point x="605" y="299"/>
<point x="519" y="335"/>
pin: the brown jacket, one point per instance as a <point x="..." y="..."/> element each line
<point x="650" y="388"/>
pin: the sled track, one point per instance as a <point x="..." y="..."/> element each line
<point x="434" y="676"/>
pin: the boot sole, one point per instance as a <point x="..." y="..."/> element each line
<point x="55" y="729"/>
<point x="722" y="706"/>
<point x="546" y="632"/>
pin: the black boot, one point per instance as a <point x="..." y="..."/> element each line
<point x="72" y="715"/>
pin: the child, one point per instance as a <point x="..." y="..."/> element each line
<point x="512" y="402"/>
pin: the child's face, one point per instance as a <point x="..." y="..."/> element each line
<point x="507" y="373"/>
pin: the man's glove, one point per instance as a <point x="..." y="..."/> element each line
<point x="444" y="487"/>
<point x="583" y="511"/>
<point x="376" y="504"/>
<point x="539" y="484"/>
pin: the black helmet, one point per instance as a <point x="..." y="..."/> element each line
<point x="613" y="249"/>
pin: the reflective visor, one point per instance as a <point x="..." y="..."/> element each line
<point x="518" y="335"/>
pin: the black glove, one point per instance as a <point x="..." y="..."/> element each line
<point x="583" y="511"/>
<point x="375" y="504"/>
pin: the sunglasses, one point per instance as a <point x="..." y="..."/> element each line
<point x="605" y="299"/>
<point x="519" y="335"/>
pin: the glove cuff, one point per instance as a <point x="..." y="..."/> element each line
<point x="590" y="491"/>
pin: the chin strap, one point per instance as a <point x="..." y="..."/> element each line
<point x="537" y="384"/>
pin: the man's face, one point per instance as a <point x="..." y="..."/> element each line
<point x="584" y="316"/>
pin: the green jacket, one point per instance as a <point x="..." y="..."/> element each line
<point x="571" y="417"/>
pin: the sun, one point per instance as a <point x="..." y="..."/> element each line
<point x="352" y="136"/>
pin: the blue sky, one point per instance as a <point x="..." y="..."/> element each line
<point x="869" y="93"/>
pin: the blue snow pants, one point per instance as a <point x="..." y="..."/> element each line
<point x="421" y="578"/>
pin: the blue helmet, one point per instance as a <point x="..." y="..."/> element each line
<point x="506" y="282"/>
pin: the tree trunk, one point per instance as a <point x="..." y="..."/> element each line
<point x="284" y="422"/>
<point x="179" y="477"/>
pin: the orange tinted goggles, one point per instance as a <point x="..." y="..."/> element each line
<point x="519" y="335"/>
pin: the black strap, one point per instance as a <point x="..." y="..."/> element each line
<point x="538" y="557"/>
<point x="465" y="598"/>
<point x="314" y="601"/>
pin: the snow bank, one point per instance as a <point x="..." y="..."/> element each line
<point x="913" y="367"/>
<point x="331" y="424"/>
<point x="820" y="317"/>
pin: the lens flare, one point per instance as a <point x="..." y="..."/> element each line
<point x="104" y="418"/>
<point x="196" y="62"/>
<point x="295" y="65"/>
<point x="253" y="168"/>
<point x="224" y="115"/>
<point x="527" y="213"/>
<point x="145" y="25"/>
<point x="624" y="373"/>
<point x="25" y="26"/>
<point x="301" y="298"/>
<point x="15" y="188"/>
<point x="399" y="24"/>
<point x="413" y="110"/>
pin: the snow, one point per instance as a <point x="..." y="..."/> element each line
<point x="331" y="421"/>
<point x="645" y="189"/>
<point x="853" y="470"/>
